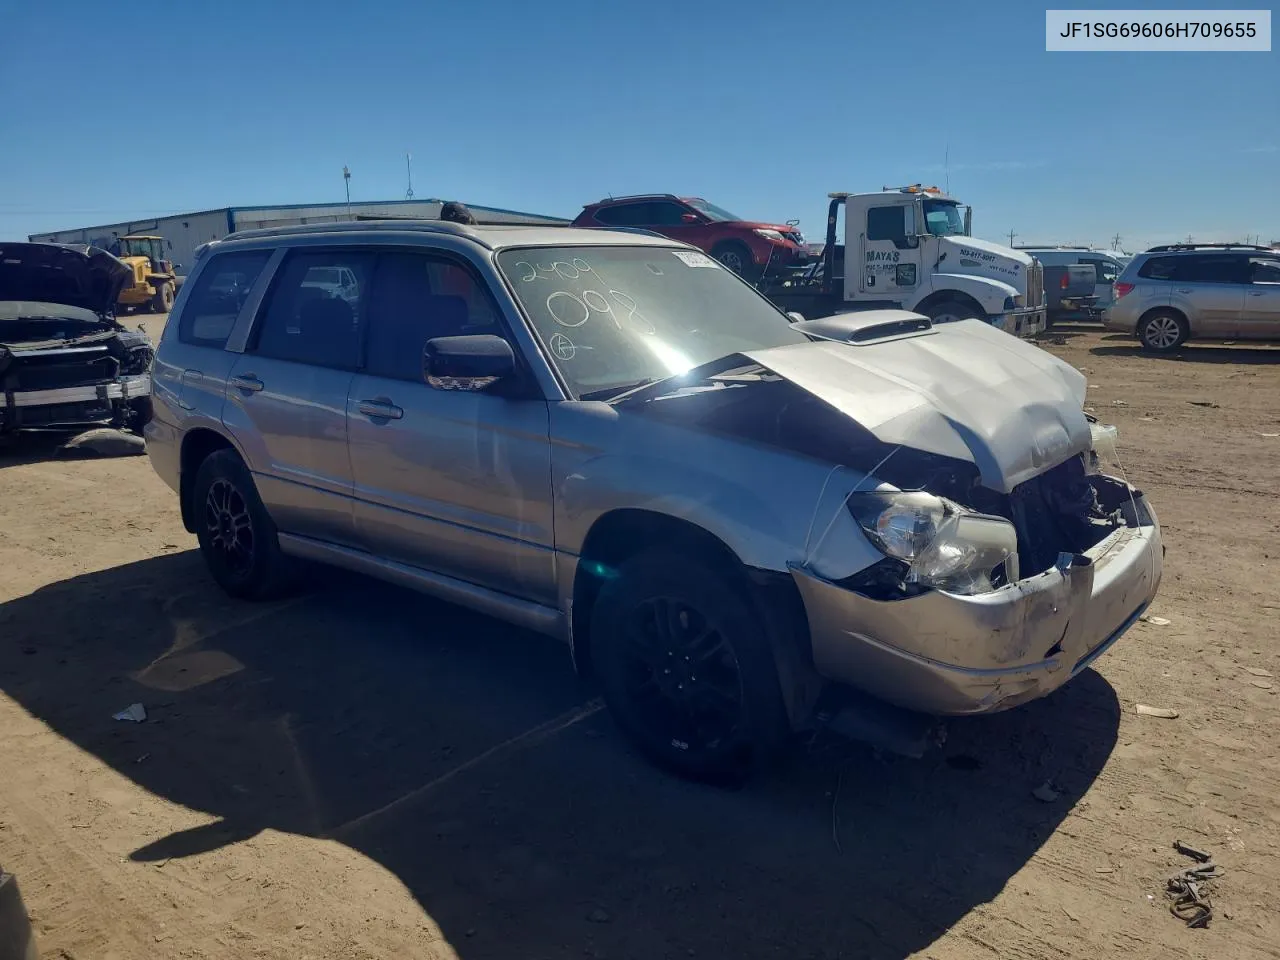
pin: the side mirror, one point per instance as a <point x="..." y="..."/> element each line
<point x="690" y="218"/>
<point x="795" y="317"/>
<point x="467" y="363"/>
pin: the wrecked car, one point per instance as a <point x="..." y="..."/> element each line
<point x="64" y="359"/>
<point x="733" y="518"/>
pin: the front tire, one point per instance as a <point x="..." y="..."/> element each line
<point x="162" y="302"/>
<point x="737" y="258"/>
<point x="237" y="536"/>
<point x="949" y="311"/>
<point x="687" y="668"/>
<point x="1162" y="331"/>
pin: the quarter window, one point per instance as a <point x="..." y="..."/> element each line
<point x="311" y="317"/>
<point x="1265" y="270"/>
<point x="215" y="301"/>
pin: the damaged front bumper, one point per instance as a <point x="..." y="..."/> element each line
<point x="71" y="405"/>
<point x="951" y="655"/>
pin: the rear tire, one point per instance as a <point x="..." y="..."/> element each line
<point x="665" y="619"/>
<point x="951" y="310"/>
<point x="237" y="537"/>
<point x="1163" y="331"/>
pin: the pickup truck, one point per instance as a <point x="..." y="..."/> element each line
<point x="1068" y="292"/>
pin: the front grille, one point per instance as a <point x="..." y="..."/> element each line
<point x="60" y="370"/>
<point x="1035" y="284"/>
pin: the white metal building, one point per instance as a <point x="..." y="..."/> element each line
<point x="184" y="232"/>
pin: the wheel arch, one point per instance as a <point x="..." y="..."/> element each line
<point x="623" y="533"/>
<point x="197" y="445"/>
<point x="945" y="296"/>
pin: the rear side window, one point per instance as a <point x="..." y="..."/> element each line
<point x="312" y="317"/>
<point x="1211" y="269"/>
<point x="625" y="215"/>
<point x="217" y="297"/>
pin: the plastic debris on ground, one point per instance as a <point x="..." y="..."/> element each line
<point x="104" y="442"/>
<point x="1156" y="621"/>
<point x="135" y="713"/>
<point x="1164" y="713"/>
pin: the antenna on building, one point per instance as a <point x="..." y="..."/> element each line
<point x="408" y="168"/>
<point x="346" y="179"/>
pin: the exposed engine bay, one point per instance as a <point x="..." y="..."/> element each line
<point x="1065" y="510"/>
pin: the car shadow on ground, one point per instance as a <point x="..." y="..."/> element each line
<point x="348" y="712"/>
<point x="1198" y="353"/>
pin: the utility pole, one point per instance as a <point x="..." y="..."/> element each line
<point x="1011" y="236"/>
<point x="346" y="179"/>
<point x="1115" y="242"/>
<point x="408" y="166"/>
<point x="1190" y="239"/>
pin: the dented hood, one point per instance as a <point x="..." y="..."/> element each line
<point x="963" y="390"/>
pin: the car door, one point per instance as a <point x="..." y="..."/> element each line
<point x="450" y="481"/>
<point x="1261" y="317"/>
<point x="890" y="253"/>
<point x="287" y="394"/>
<point x="1210" y="290"/>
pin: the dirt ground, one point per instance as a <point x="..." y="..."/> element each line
<point x="364" y="773"/>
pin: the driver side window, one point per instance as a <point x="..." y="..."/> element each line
<point x="419" y="297"/>
<point x="887" y="223"/>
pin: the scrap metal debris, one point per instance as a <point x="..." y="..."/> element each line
<point x="104" y="442"/>
<point x="1164" y="713"/>
<point x="1189" y="888"/>
<point x="1155" y="621"/>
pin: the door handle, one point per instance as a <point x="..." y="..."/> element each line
<point x="1257" y="294"/>
<point x="248" y="382"/>
<point x="380" y="409"/>
<point x="1185" y="290"/>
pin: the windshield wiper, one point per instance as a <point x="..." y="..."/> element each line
<point x="613" y="393"/>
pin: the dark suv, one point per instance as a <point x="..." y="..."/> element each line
<point x="749" y="248"/>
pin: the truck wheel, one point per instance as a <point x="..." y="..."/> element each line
<point x="949" y="311"/>
<point x="162" y="302"/>
<point x="737" y="258"/>
<point x="237" y="536"/>
<point x="686" y="668"/>
<point x="1162" y="331"/>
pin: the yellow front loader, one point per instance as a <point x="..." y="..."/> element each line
<point x="154" y="282"/>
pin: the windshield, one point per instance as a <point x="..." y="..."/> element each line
<point x="943" y="218"/>
<point x="711" y="211"/>
<point x="612" y="317"/>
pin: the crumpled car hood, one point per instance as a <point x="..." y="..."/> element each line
<point x="962" y="390"/>
<point x="74" y="275"/>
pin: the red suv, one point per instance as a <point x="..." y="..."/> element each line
<point x="748" y="248"/>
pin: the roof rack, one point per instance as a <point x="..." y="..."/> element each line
<point x="1167" y="247"/>
<point x="639" y="196"/>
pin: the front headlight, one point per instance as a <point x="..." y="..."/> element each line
<point x="943" y="544"/>
<point x="768" y="234"/>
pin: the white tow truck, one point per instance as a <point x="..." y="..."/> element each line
<point x="911" y="248"/>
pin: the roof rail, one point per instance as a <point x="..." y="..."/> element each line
<point x="1167" y="247"/>
<point x="640" y="196"/>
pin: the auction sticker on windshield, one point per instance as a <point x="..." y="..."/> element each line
<point x="692" y="259"/>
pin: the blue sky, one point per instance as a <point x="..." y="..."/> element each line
<point x="114" y="112"/>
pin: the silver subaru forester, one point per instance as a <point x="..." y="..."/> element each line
<point x="731" y="515"/>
